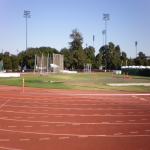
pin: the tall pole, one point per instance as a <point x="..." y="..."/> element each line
<point x="103" y="32"/>
<point x="136" y="48"/>
<point x="106" y="18"/>
<point x="26" y="15"/>
<point x="93" y="41"/>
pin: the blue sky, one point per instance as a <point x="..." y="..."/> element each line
<point x="52" y="21"/>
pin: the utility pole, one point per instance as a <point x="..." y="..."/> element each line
<point x="26" y="15"/>
<point x="136" y="48"/>
<point x="106" y="18"/>
<point x="103" y="32"/>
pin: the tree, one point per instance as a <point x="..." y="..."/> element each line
<point x="110" y="56"/>
<point x="15" y="62"/>
<point x="77" y="40"/>
<point x="141" y="59"/>
<point x="123" y="59"/>
<point x="98" y="61"/>
<point x="90" y="56"/>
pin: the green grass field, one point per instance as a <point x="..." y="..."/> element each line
<point x="78" y="81"/>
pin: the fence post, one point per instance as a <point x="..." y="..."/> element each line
<point x="23" y="84"/>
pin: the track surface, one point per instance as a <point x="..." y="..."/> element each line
<point x="45" y="119"/>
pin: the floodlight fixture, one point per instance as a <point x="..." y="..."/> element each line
<point x="26" y="15"/>
<point x="106" y="18"/>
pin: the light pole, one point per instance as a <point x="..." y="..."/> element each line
<point x="136" y="48"/>
<point x="26" y="15"/>
<point x="103" y="32"/>
<point x="106" y="18"/>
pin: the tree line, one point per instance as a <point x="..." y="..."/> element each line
<point x="109" y="57"/>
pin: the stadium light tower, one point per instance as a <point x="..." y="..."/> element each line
<point x="26" y="15"/>
<point x="103" y="32"/>
<point x="106" y="18"/>
<point x="136" y="48"/>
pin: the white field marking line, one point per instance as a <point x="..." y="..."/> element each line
<point x="31" y="117"/>
<point x="3" y="140"/>
<point x="44" y="138"/>
<point x="70" y="114"/>
<point x="142" y="99"/>
<point x="106" y="94"/>
<point x="61" y="125"/>
<point x="144" y="119"/>
<point x="3" y="117"/>
<point x="9" y="148"/>
<point x="75" y="135"/>
<point x="4" y="103"/>
<point x="12" y="126"/>
<point x="28" y="126"/>
<point x="134" y="132"/>
<point x="82" y="136"/>
<point x="147" y="130"/>
<point x="24" y="139"/>
<point x="117" y="133"/>
<point x="74" y="123"/>
<point x="63" y="137"/>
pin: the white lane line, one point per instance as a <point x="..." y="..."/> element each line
<point x="147" y="130"/>
<point x="7" y="148"/>
<point x="4" y="117"/>
<point x="82" y="136"/>
<point x="63" y="137"/>
<point x="4" y="140"/>
<point x="75" y="124"/>
<point x="10" y="111"/>
<point x="61" y="125"/>
<point x="4" y="103"/>
<point x="134" y="132"/>
<point x="12" y="126"/>
<point x="31" y="117"/>
<point x="117" y="133"/>
<point x="24" y="139"/>
<point x="44" y="138"/>
<point x="75" y="135"/>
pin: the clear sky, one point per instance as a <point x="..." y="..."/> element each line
<point x="52" y="21"/>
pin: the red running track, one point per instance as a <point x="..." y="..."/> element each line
<point x="47" y="119"/>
